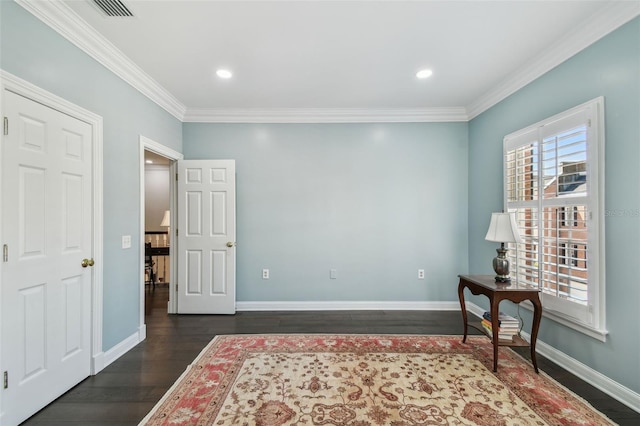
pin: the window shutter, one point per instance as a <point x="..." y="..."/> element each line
<point x="551" y="184"/>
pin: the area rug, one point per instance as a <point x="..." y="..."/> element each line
<point x="364" y="380"/>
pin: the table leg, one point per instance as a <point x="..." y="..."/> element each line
<point x="537" y="316"/>
<point x="495" y="325"/>
<point x="463" y="309"/>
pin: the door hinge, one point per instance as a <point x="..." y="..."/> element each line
<point x="589" y="122"/>
<point x="6" y="380"/>
<point x="6" y="126"/>
<point x="176" y="177"/>
<point x="176" y="232"/>
<point x="5" y="253"/>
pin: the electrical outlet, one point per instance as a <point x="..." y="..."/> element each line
<point x="126" y="241"/>
<point x="333" y="274"/>
<point x="265" y="274"/>
<point x="421" y="274"/>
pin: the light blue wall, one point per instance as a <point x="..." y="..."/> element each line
<point x="609" y="68"/>
<point x="34" y="52"/>
<point x="376" y="202"/>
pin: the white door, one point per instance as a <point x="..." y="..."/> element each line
<point x="47" y="232"/>
<point x="206" y="237"/>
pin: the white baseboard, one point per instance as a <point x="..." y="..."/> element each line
<point x="121" y="348"/>
<point x="347" y="306"/>
<point x="142" y="332"/>
<point x="97" y="364"/>
<point x="612" y="388"/>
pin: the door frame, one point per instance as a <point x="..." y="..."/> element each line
<point x="28" y="90"/>
<point x="147" y="144"/>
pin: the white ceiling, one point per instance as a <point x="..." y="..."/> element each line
<point x="345" y="57"/>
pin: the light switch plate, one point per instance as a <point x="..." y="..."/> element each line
<point x="126" y="241"/>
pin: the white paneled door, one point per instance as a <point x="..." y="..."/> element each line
<point x="206" y="237"/>
<point x="47" y="256"/>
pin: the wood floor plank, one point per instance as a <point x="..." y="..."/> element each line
<point x="124" y="392"/>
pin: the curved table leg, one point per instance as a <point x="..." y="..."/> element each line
<point x="463" y="309"/>
<point x="537" y="316"/>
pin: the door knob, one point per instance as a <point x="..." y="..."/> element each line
<point x="87" y="262"/>
<point x="230" y="244"/>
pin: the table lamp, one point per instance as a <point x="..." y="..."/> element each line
<point x="502" y="229"/>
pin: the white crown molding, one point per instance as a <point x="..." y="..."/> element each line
<point x="71" y="26"/>
<point x="60" y="17"/>
<point x="603" y="22"/>
<point x="325" y="115"/>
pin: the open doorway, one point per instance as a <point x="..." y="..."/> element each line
<point x="162" y="256"/>
<point x="157" y="221"/>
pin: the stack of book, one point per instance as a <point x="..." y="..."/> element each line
<point x="509" y="326"/>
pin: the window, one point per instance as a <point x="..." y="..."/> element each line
<point x="553" y="174"/>
<point x="575" y="255"/>
<point x="563" y="254"/>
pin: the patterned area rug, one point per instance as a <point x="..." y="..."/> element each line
<point x="358" y="380"/>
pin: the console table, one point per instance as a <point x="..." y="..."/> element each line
<point x="497" y="292"/>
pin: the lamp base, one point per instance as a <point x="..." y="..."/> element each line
<point x="501" y="266"/>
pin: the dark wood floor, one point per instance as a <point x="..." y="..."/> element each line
<point x="125" y="391"/>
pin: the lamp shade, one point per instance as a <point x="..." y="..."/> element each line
<point x="503" y="228"/>
<point x="166" y="219"/>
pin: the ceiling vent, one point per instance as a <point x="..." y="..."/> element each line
<point x="113" y="7"/>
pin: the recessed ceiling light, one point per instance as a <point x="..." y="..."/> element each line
<point x="224" y="73"/>
<point x="149" y="162"/>
<point x="424" y="73"/>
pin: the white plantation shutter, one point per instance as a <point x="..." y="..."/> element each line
<point x="552" y="173"/>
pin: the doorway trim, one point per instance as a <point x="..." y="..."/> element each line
<point x="147" y="144"/>
<point x="24" y="88"/>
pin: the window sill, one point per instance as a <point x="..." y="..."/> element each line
<point x="596" y="333"/>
